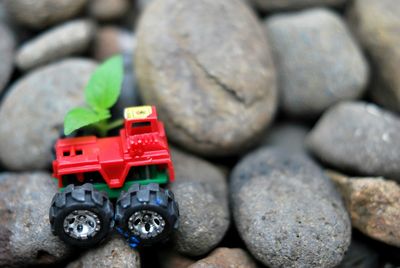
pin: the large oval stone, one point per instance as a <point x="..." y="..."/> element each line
<point x="287" y="211"/>
<point x="32" y="113"/>
<point x="208" y="68"/>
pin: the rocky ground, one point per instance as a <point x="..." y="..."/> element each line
<point x="283" y="117"/>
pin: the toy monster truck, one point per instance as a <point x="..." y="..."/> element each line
<point x="92" y="171"/>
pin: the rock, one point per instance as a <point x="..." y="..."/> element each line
<point x="108" y="10"/>
<point x="113" y="253"/>
<point x="201" y="192"/>
<point x="358" y="137"/>
<point x="65" y="40"/>
<point x="287" y="135"/>
<point x="208" y="82"/>
<point x="25" y="235"/>
<point x="33" y="112"/>
<point x="111" y="40"/>
<point x="287" y="211"/>
<point x="312" y="49"/>
<point x="39" y="14"/>
<point x="7" y="46"/>
<point x="374" y="206"/>
<point x="226" y="257"/>
<point x="274" y="5"/>
<point x="374" y="23"/>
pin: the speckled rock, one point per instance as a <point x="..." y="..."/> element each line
<point x="7" y="46"/>
<point x="113" y="253"/>
<point x="111" y="40"/>
<point x="358" y="137"/>
<point x="374" y="206"/>
<point x="273" y="5"/>
<point x="33" y="112"/>
<point x="71" y="38"/>
<point x="226" y="257"/>
<point x="201" y="192"/>
<point x="25" y="235"/>
<point x="209" y="81"/>
<point x="287" y="211"/>
<point x="108" y="10"/>
<point x="39" y="14"/>
<point x="375" y="23"/>
<point x="312" y="49"/>
<point x="287" y="135"/>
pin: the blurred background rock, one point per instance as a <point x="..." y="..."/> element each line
<point x="259" y="99"/>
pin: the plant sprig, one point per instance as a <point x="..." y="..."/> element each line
<point x="101" y="93"/>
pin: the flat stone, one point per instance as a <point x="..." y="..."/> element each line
<point x="114" y="253"/>
<point x="32" y="113"/>
<point x="274" y="5"/>
<point x="226" y="257"/>
<point x="287" y="211"/>
<point x="201" y="192"/>
<point x="374" y="206"/>
<point x="7" y="46"/>
<point x="360" y="138"/>
<point x="376" y="23"/>
<point x="25" y="234"/>
<point x="39" y="14"/>
<point x="209" y="73"/>
<point x="312" y="49"/>
<point x="61" y="41"/>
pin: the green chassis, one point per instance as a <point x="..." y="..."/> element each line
<point x="160" y="177"/>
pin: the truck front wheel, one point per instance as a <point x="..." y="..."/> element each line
<point x="81" y="216"/>
<point x="147" y="212"/>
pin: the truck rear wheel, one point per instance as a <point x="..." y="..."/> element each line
<point x="147" y="212"/>
<point x="81" y="216"/>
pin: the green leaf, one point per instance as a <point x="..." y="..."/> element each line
<point x="80" y="117"/>
<point x="104" y="86"/>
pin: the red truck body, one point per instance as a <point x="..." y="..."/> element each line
<point x="140" y="154"/>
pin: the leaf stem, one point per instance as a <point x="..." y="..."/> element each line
<point x="115" y="124"/>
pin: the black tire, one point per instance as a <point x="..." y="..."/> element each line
<point x="152" y="199"/>
<point x="83" y="199"/>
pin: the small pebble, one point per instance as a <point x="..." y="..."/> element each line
<point x="313" y="49"/>
<point x="360" y="138"/>
<point x="72" y="38"/>
<point x="39" y="14"/>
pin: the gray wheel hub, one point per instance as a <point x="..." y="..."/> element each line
<point x="81" y="224"/>
<point x="146" y="224"/>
